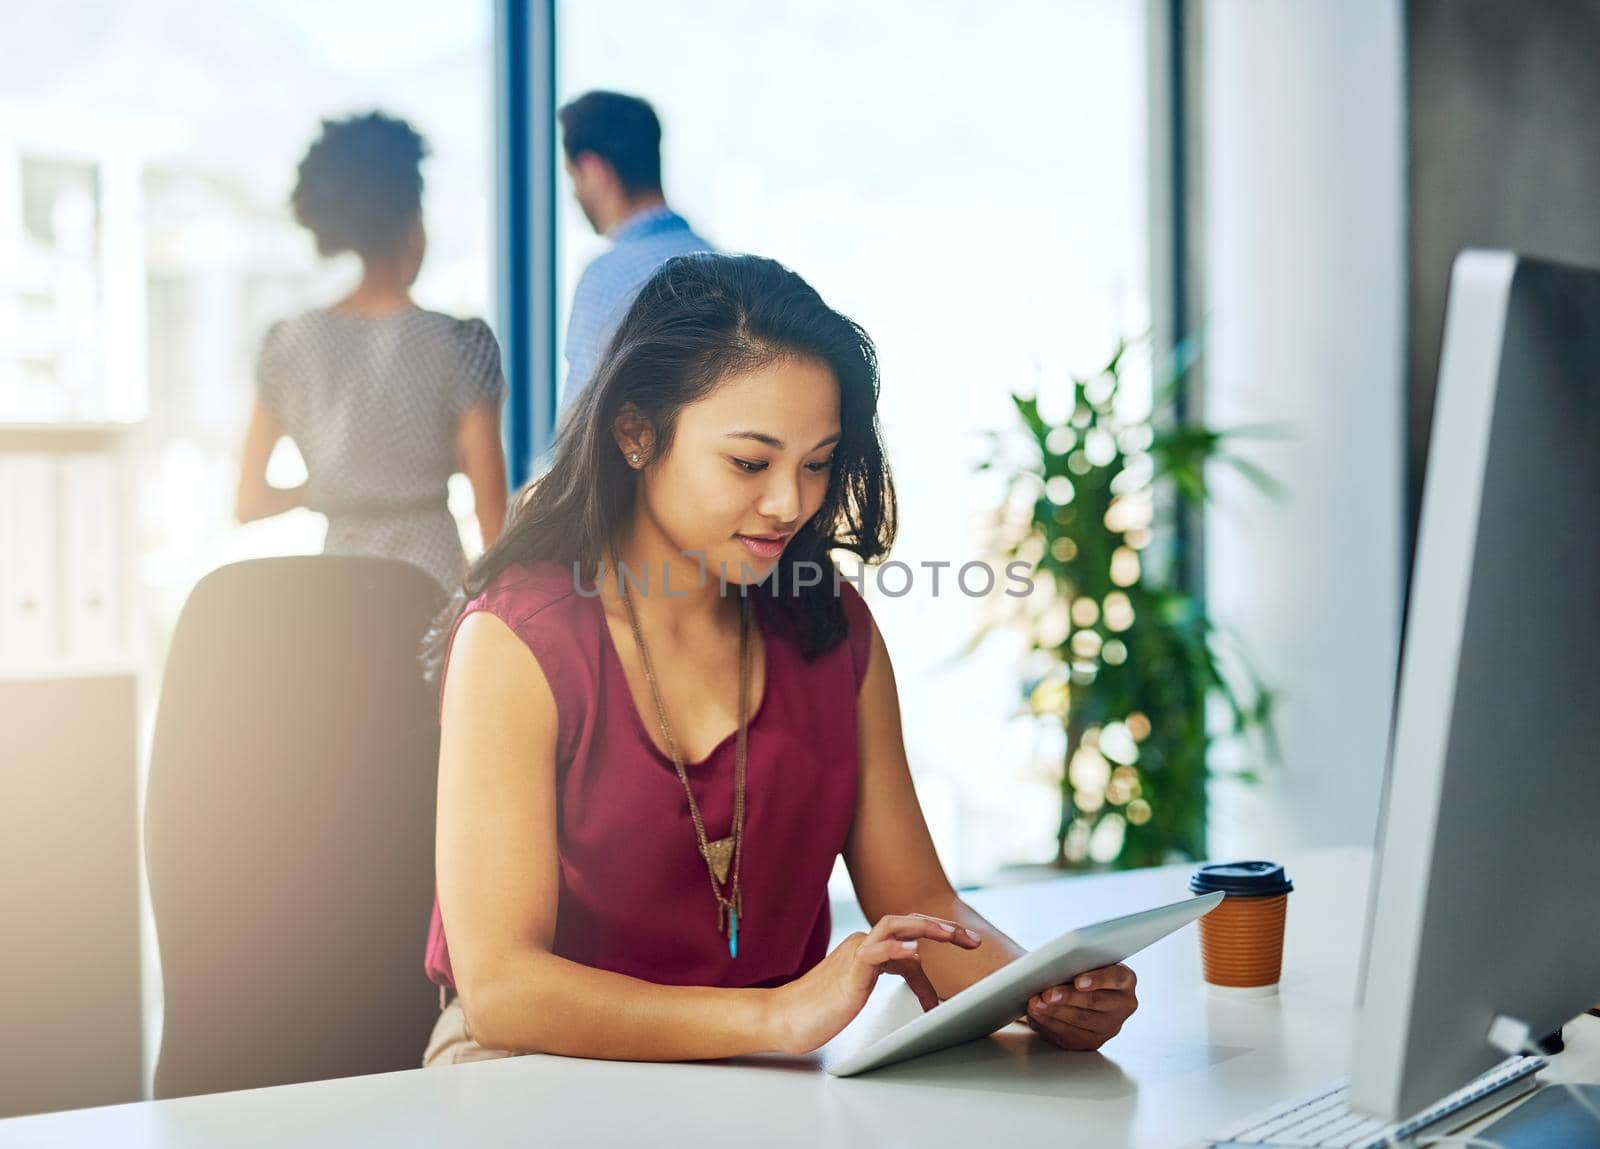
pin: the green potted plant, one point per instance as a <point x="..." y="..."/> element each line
<point x="1125" y="660"/>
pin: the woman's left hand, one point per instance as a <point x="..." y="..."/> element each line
<point x="1089" y="1012"/>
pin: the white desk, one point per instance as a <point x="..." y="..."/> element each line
<point x="1186" y="1065"/>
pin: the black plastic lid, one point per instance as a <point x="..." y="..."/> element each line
<point x="1242" y="879"/>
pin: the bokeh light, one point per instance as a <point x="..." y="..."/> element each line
<point x="1089" y="771"/>
<point x="1061" y="440"/>
<point x="1105" y="841"/>
<point x="1117" y="743"/>
<point x="1099" y="446"/>
<point x="1118" y="611"/>
<point x="1125" y="566"/>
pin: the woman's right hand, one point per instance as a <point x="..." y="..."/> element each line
<point x="811" y="1010"/>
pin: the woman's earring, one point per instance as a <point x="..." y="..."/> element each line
<point x="634" y="458"/>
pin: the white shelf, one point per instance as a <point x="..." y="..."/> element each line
<point x="70" y="599"/>
<point x="116" y="668"/>
<point x="38" y="435"/>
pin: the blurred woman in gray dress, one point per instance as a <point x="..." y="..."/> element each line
<point x="384" y="400"/>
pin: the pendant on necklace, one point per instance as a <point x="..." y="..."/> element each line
<point x="733" y="933"/>
<point x="720" y="855"/>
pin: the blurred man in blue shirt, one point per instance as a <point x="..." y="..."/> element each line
<point x="613" y="155"/>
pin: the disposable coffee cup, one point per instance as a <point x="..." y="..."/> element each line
<point x="1241" y="941"/>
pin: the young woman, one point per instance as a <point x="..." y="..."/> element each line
<point x="385" y="400"/>
<point x="644" y="780"/>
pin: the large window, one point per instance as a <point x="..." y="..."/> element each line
<point x="966" y="180"/>
<point x="147" y="152"/>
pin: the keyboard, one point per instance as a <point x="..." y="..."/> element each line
<point x="1323" y="1120"/>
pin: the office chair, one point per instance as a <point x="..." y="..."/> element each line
<point x="289" y="825"/>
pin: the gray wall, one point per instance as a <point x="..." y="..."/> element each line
<point x="1504" y="151"/>
<point x="1351" y="148"/>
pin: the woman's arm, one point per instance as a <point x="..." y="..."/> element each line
<point x="890" y="853"/>
<point x="256" y="498"/>
<point x="895" y="870"/>
<point x="497" y="871"/>
<point x="482" y="459"/>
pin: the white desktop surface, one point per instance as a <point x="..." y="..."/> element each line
<point x="1186" y="1065"/>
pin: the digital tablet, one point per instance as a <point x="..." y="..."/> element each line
<point x="1002" y="997"/>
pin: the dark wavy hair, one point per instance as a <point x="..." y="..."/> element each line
<point x="360" y="185"/>
<point x="699" y="320"/>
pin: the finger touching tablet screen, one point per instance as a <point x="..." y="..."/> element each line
<point x="1002" y="997"/>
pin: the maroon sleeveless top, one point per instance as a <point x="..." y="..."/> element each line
<point x="634" y="896"/>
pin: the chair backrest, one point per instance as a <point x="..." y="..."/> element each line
<point x="289" y="825"/>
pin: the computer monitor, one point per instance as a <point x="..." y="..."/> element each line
<point x="1486" y="890"/>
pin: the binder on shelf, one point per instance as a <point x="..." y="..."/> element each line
<point x="29" y="616"/>
<point x="91" y="614"/>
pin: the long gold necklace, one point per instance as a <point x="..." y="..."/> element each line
<point x="725" y="854"/>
